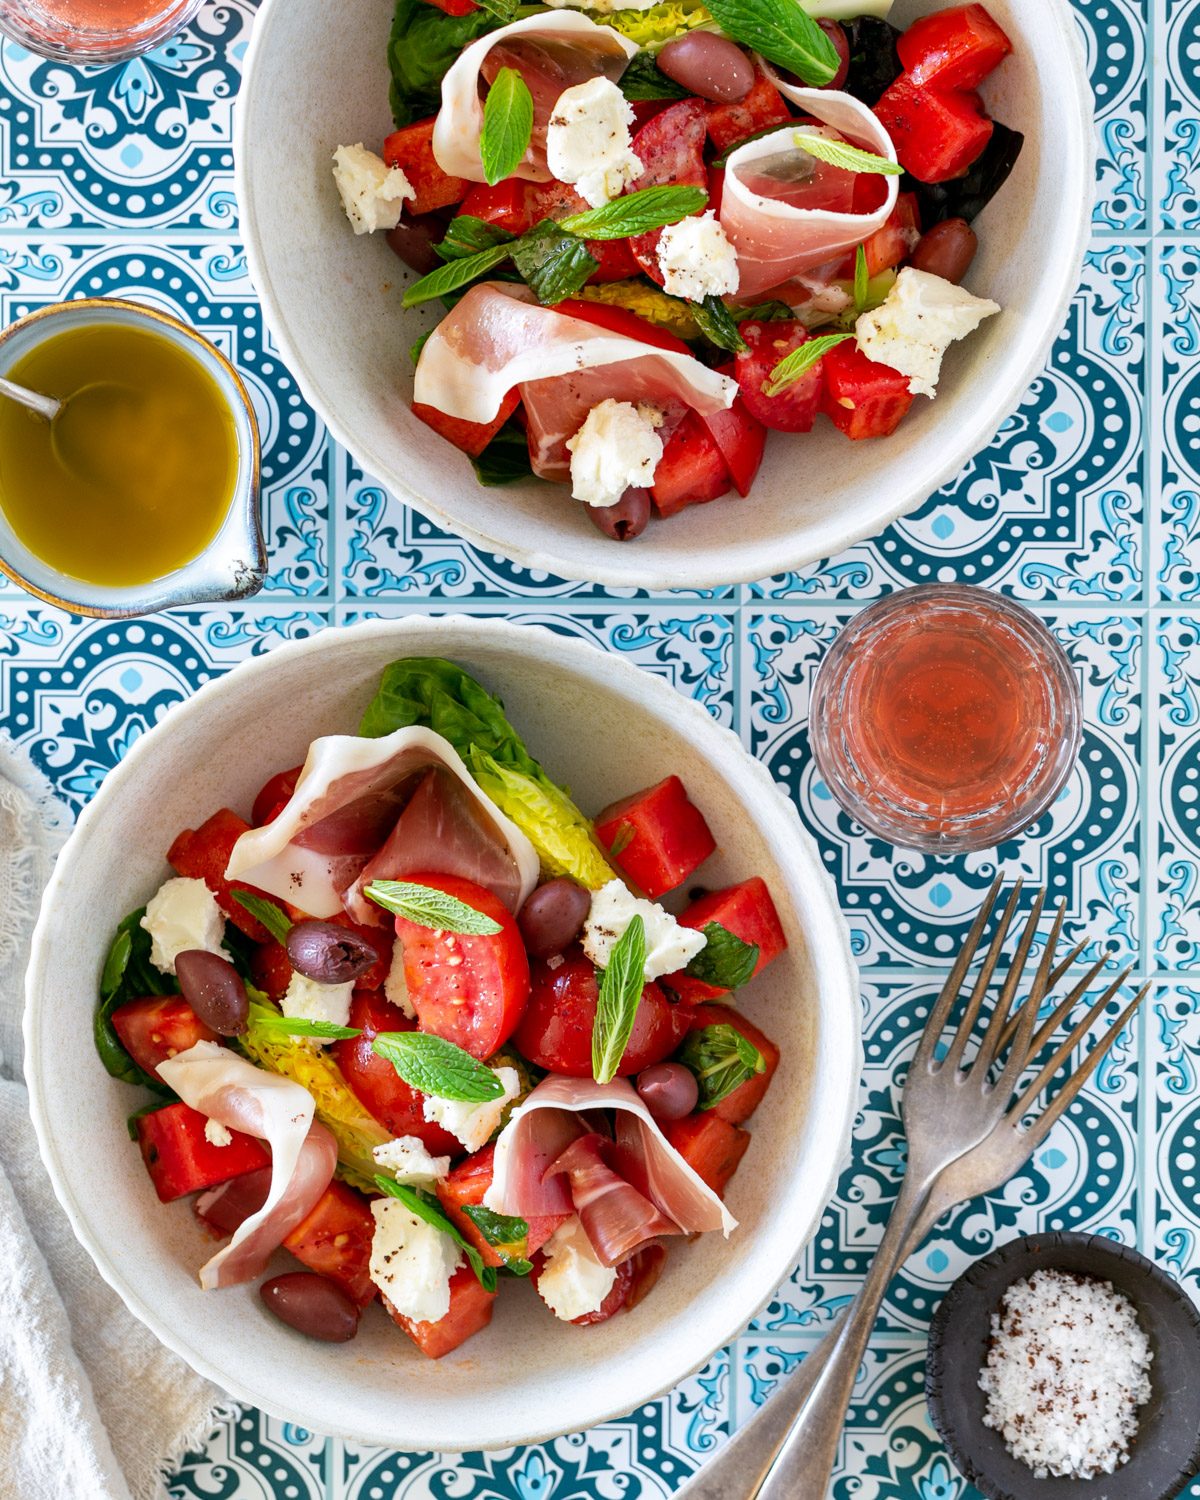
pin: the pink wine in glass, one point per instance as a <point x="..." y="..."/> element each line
<point x="94" y="31"/>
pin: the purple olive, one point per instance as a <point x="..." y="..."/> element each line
<point x="311" y="1304"/>
<point x="624" y="520"/>
<point x="707" y="65"/>
<point x="946" y="250"/>
<point x="327" y="953"/>
<point x="413" y="240"/>
<point x="553" y="916"/>
<point x="668" y="1090"/>
<point x="214" y="990"/>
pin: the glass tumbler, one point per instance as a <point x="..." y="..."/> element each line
<point x="94" y="31"/>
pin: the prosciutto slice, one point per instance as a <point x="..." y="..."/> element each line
<point x="346" y="804"/>
<point x="617" y="1219"/>
<point x="551" y="52"/>
<point x="499" y="337"/>
<point x="530" y="1144"/>
<point x="232" y="1091"/>
<point x="777" y="240"/>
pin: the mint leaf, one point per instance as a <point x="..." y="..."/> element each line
<point x="467" y="235"/>
<point x="429" y="907"/>
<point x="783" y="33"/>
<point x="862" y="279"/>
<point x="505" y="460"/>
<point x="621" y="987"/>
<point x="843" y="154"/>
<point x="725" y="961"/>
<point x="800" y="361"/>
<point x="507" y="125"/>
<point x="272" y="1023"/>
<point x="554" y="262"/>
<point x="509" y="1237"/>
<point x="273" y="917"/>
<point x="435" y="1066"/>
<point x="454" y="275"/>
<point x="638" y="212"/>
<point x="718" y="324"/>
<point x="765" y="312"/>
<point x="722" y="159"/>
<point x="427" y="1207"/>
<point x="722" y="1059"/>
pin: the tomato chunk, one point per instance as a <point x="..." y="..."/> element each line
<point x="748" y="912"/>
<point x="741" y="437"/>
<point x="657" y="837"/>
<point x="470" y="1311"/>
<point x="335" y="1241"/>
<point x="470" y="437"/>
<point x="274" y="796"/>
<point x="671" y="150"/>
<point x="691" y="470"/>
<point x="271" y="968"/>
<point x="412" y="149"/>
<point x="465" y="1187"/>
<point x="764" y="105"/>
<point x="454" y="7"/>
<point x="795" y="408"/>
<point x="619" y="320"/>
<point x="863" y="399"/>
<point x="202" y="854"/>
<point x="181" y="1159"/>
<point x="953" y="49"/>
<point x="469" y="990"/>
<point x="937" y="135"/>
<point x="741" y="1103"/>
<point x="158" y="1027"/>
<point x="711" y="1146"/>
<point x="376" y="1084"/>
<point x="556" y="1032"/>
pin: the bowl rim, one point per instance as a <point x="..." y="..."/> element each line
<point x="842" y="981"/>
<point x="618" y="567"/>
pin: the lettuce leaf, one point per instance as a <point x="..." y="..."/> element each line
<point x="128" y="974"/>
<point x="424" y="41"/>
<point x="653" y="27"/>
<point x="440" y="696"/>
<point x="649" y="302"/>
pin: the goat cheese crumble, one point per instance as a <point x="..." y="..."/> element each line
<point x="412" y="1262"/>
<point x="372" y="193"/>
<point x="473" y="1124"/>
<point x="181" y="915"/>
<point x="669" y="947"/>
<point x="395" y="986"/>
<point x="913" y="327"/>
<point x="573" y="1282"/>
<point x="697" y="260"/>
<point x="408" y="1160"/>
<point x="217" y="1134"/>
<point x="306" y="1000"/>
<point x="588" y="142"/>
<point x="617" y="447"/>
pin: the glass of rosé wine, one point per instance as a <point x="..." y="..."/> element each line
<point x="94" y="31"/>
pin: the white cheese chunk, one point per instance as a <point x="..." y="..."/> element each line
<point x="668" y="945"/>
<point x="306" y="1000"/>
<point x="412" y="1262"/>
<point x="618" y="446"/>
<point x="912" y="329"/>
<point x="372" y="193"/>
<point x="395" y="986"/>
<point x="216" y="1134"/>
<point x="588" y="142"/>
<point x="574" y="1282"/>
<point x="408" y="1159"/>
<point x="183" y="914"/>
<point x="473" y="1124"/>
<point x="697" y="260"/>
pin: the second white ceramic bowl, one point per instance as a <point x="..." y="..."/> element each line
<point x="601" y="726"/>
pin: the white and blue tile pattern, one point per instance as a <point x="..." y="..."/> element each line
<point x="1087" y="507"/>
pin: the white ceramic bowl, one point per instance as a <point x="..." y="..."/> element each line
<point x="603" y="727"/>
<point x="316" y="77"/>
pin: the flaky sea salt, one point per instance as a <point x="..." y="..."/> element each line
<point x="1067" y="1368"/>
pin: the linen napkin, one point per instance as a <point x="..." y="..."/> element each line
<point x="92" y="1407"/>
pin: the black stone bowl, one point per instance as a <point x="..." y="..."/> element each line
<point x="1163" y="1457"/>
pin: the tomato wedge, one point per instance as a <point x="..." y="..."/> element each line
<point x="470" y="990"/>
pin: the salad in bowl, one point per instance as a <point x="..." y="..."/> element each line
<point x="422" y="1023"/>
<point x="654" y="234"/>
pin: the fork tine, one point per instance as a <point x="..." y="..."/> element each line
<point x="1004" y="1021"/>
<point x="1061" y="1011"/>
<point x="1040" y="1127"/>
<point x="1012" y="979"/>
<point x="937" y="1017"/>
<point x="1068" y="1045"/>
<point x="970" y="1015"/>
<point x="1060" y="969"/>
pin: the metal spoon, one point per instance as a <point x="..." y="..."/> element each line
<point x="45" y="406"/>
<point x="80" y="424"/>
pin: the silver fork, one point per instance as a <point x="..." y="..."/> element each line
<point x="963" y="1140"/>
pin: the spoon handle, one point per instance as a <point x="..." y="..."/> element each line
<point x="45" y="406"/>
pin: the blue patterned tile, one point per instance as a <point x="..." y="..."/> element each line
<point x="1175" y="1154"/>
<point x="1114" y="32"/>
<point x="1175" y="800"/>
<point x="1176" y="447"/>
<point x="1179" y="106"/>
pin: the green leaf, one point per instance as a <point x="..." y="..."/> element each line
<point x="505" y="460"/>
<point x="621" y="987"/>
<point x="271" y="1024"/>
<point x="644" y="79"/>
<point x="722" y="1060"/>
<point x="800" y="361"/>
<point x="414" y="352"/>
<point x="427" y="1207"/>
<point x="765" y="312"/>
<point x="718" y="324"/>
<point x="435" y="1066"/>
<point x="273" y="917"/>
<point x="507" y="125"/>
<point x="843" y="154"/>
<point x="862" y="279"/>
<point x="725" y="961"/>
<point x="453" y="275"/>
<point x="637" y="213"/>
<point x="661" y="23"/>
<point x="783" y="33"/>
<point x="466" y="235"/>
<point x="554" y="262"/>
<point x="116" y="963"/>
<point x="128" y="975"/>
<point x="146" y="1109"/>
<point x="428" y="907"/>
<point x="722" y="159"/>
<point x="503" y="10"/>
<point x="509" y="1237"/>
<point x="424" y="41"/>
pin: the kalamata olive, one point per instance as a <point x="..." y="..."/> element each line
<point x="212" y="987"/>
<point x="328" y="953"/>
<point x="837" y="35"/>
<point x="413" y="240"/>
<point x="551" y="919"/>
<point x="708" y="65"/>
<point x="669" y="1090"/>
<point x="624" y="520"/>
<point x="311" y="1304"/>
<point x="946" y="250"/>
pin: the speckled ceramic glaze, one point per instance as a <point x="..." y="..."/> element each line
<point x="601" y="726"/>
